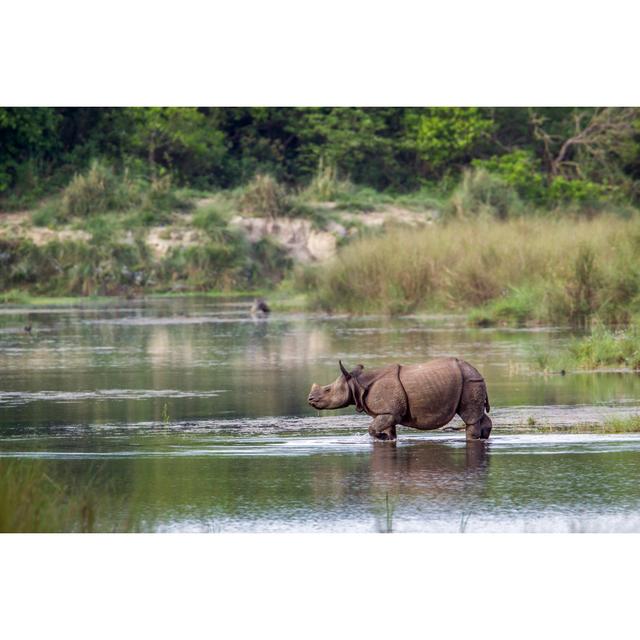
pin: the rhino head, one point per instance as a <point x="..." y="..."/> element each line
<point x="335" y="395"/>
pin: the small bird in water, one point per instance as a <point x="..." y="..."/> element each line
<point x="260" y="308"/>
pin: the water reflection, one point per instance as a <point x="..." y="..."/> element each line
<point x="428" y="466"/>
<point x="197" y="415"/>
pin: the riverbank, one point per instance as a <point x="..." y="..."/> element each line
<point x="331" y="246"/>
<point x="107" y="235"/>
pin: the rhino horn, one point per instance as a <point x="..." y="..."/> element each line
<point x="345" y="373"/>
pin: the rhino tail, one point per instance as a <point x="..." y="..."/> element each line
<point x="487" y="406"/>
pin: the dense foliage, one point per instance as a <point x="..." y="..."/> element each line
<point x="549" y="155"/>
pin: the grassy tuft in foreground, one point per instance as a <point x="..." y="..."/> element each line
<point x="31" y="501"/>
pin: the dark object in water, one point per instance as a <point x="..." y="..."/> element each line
<point x="260" y="307"/>
<point x="422" y="396"/>
<point x="27" y="329"/>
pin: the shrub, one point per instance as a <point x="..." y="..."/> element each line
<point x="518" y="306"/>
<point x="161" y="196"/>
<point x="325" y="185"/>
<point x="75" y="268"/>
<point x="48" y="215"/>
<point x="584" y="192"/>
<point x="212" y="221"/>
<point x="214" y="265"/>
<point x="97" y="191"/>
<point x="269" y="263"/>
<point x="264" y="196"/>
<point x="483" y="193"/>
<point x="149" y="218"/>
<point x="14" y="296"/>
<point x="605" y="347"/>
<point x="521" y="170"/>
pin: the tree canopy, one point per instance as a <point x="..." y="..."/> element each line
<point x="571" y="150"/>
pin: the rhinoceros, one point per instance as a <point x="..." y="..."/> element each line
<point x="423" y="396"/>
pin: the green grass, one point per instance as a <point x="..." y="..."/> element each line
<point x="517" y="307"/>
<point x="15" y="296"/>
<point x="602" y="348"/>
<point x="622" y="425"/>
<point x="244" y="294"/>
<point x="481" y="193"/>
<point x="19" y="297"/>
<point x="608" y="348"/>
<point x="264" y="196"/>
<point x="537" y="270"/>
<point x="47" y="214"/>
<point x="610" y="425"/>
<point x="328" y="187"/>
<point x="100" y="190"/>
<point x="33" y="501"/>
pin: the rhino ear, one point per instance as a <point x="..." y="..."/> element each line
<point x="357" y="371"/>
<point x="345" y="373"/>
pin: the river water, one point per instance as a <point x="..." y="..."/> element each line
<point x="189" y="415"/>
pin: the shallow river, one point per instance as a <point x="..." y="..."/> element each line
<point x="188" y="415"/>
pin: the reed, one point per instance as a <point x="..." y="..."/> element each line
<point x="540" y="269"/>
<point x="34" y="500"/>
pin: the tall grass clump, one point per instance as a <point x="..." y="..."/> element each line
<point x="606" y="347"/>
<point x="98" y="190"/>
<point x="264" y="196"/>
<point x="325" y="185"/>
<point x="101" y="190"/>
<point x="212" y="221"/>
<point x="215" y="264"/>
<point x="32" y="501"/>
<point x="104" y="267"/>
<point x="482" y="193"/>
<point x="161" y="195"/>
<point x="516" y="306"/>
<point x="541" y="269"/>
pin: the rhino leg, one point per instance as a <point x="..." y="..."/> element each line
<point x="473" y="403"/>
<point x="383" y="427"/>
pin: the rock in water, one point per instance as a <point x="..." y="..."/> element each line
<point x="260" y="307"/>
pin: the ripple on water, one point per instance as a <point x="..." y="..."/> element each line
<point x="17" y="398"/>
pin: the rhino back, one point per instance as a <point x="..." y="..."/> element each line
<point x="385" y="394"/>
<point x="433" y="391"/>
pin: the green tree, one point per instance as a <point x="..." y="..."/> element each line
<point x="180" y="139"/>
<point x="447" y="137"/>
<point x="26" y="135"/>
